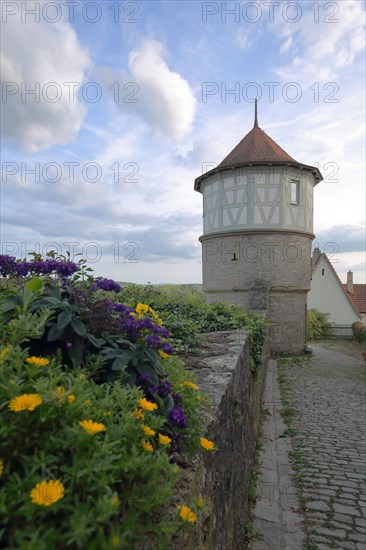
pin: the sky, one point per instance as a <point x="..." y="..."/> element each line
<point x="111" y="109"/>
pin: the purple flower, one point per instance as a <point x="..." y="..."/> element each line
<point x="7" y="265"/>
<point x="143" y="376"/>
<point x="164" y="389"/>
<point x="106" y="284"/>
<point x="177" y="417"/>
<point x="153" y="341"/>
<point x="22" y="269"/>
<point x="161" y="331"/>
<point x="177" y="399"/>
<point x="66" y="269"/>
<point x="119" y="308"/>
<point x="167" y="348"/>
<point x="145" y="323"/>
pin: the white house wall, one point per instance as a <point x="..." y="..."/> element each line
<point x="327" y="295"/>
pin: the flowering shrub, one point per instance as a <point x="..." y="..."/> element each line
<point x="88" y="329"/>
<point x="96" y="414"/>
<point x="186" y="316"/>
<point x="75" y="473"/>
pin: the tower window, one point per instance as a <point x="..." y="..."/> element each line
<point x="295" y="192"/>
<point x="323" y="271"/>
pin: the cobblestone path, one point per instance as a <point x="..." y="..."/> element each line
<point x="325" y="404"/>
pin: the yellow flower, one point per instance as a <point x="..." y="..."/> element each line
<point x="87" y="402"/>
<point x="207" y="444"/>
<point x="141" y="309"/>
<point x="137" y="413"/>
<point x="107" y="413"/>
<point x="115" y="500"/>
<point x="59" y="394"/>
<point x="1" y="467"/>
<point x="91" y="427"/>
<point x="148" y="431"/>
<point x="189" y="384"/>
<point x="47" y="493"/>
<point x="37" y="361"/>
<point x="115" y="540"/>
<point x="151" y="310"/>
<point x="147" y="405"/>
<point x="164" y="439"/>
<point x="199" y="397"/>
<point x="176" y="469"/>
<point x="163" y="355"/>
<point x="146" y="445"/>
<point x="200" y="502"/>
<point x="186" y="514"/>
<point x="25" y="402"/>
<point x="3" y="352"/>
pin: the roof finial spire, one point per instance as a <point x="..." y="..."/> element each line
<point x="255" y="114"/>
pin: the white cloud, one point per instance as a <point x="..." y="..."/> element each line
<point x="321" y="49"/>
<point x="243" y="39"/>
<point x="41" y="53"/>
<point x="165" y="100"/>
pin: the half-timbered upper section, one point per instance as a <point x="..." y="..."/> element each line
<point x="258" y="186"/>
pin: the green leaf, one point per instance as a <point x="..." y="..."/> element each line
<point x="48" y="301"/>
<point x="121" y="359"/>
<point x="10" y="303"/>
<point x="54" y="333"/>
<point x="63" y="319"/>
<point x="78" y="327"/>
<point x="97" y="342"/>
<point x="168" y="403"/>
<point x="131" y="379"/>
<point x="34" y="284"/>
<point x="76" y="352"/>
<point x="153" y="377"/>
<point x="151" y="354"/>
<point x="119" y="363"/>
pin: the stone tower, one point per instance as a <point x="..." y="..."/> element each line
<point x="257" y="234"/>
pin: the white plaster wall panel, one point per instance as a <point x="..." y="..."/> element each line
<point x="327" y="295"/>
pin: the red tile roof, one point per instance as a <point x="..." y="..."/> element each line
<point x="358" y="297"/>
<point x="256" y="146"/>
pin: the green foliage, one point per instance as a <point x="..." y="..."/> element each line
<point x="359" y="331"/>
<point x="317" y="324"/>
<point x="186" y="316"/>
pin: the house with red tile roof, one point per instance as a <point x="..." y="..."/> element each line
<point x="357" y="295"/>
<point x="329" y="295"/>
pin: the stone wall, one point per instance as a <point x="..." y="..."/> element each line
<point x="221" y="478"/>
<point x="264" y="272"/>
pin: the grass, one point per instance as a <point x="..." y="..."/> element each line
<point x="310" y="545"/>
<point x="348" y="347"/>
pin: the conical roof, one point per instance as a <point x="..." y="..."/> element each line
<point x="257" y="148"/>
